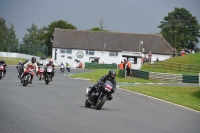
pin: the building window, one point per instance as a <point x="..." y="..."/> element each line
<point x="69" y="51"/>
<point x="89" y="52"/>
<point x="62" y="50"/>
<point x="113" y="53"/>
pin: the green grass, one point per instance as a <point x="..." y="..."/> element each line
<point x="185" y="96"/>
<point x="12" y="61"/>
<point x="98" y="73"/>
<point x="190" y="59"/>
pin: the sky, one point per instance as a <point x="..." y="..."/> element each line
<point x="126" y="16"/>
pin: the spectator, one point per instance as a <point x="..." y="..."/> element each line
<point x="128" y="68"/>
<point x="149" y="56"/>
<point x="174" y="52"/>
<point x="121" y="65"/>
<point x="125" y="63"/>
<point x="182" y="52"/>
<point x="157" y="59"/>
<point x="80" y="65"/>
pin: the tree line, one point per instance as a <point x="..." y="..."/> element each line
<point x="180" y="28"/>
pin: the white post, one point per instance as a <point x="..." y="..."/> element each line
<point x="199" y="79"/>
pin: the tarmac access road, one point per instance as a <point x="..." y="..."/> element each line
<point x="59" y="108"/>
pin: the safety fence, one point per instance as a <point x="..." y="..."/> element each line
<point x="175" y="66"/>
<point x="183" y="78"/>
<point x="100" y="66"/>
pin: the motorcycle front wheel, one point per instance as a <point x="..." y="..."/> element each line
<point x="87" y="104"/>
<point x="101" y="103"/>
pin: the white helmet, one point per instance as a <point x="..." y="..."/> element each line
<point x="41" y="63"/>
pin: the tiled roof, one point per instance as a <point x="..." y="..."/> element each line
<point x="95" y="40"/>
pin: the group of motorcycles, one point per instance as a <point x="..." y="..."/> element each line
<point x="97" y="98"/>
<point x="40" y="74"/>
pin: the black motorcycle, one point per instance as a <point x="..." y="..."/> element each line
<point x="99" y="96"/>
<point x="20" y="70"/>
<point x="48" y="74"/>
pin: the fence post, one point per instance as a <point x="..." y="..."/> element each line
<point x="199" y="79"/>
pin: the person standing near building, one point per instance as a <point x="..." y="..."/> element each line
<point x="174" y="52"/>
<point x="121" y="65"/>
<point x="128" y="68"/>
<point x="149" y="56"/>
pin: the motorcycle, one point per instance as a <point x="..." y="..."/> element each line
<point x="41" y="72"/>
<point x="68" y="68"/>
<point x="48" y="73"/>
<point x="99" y="96"/>
<point x="62" y="68"/>
<point x="20" y="70"/>
<point x="2" y="71"/>
<point x="27" y="78"/>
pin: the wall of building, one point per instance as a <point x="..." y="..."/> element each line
<point x="103" y="55"/>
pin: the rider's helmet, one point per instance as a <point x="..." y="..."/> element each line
<point x="50" y="61"/>
<point x="112" y="74"/>
<point x="20" y="62"/>
<point x="61" y="63"/>
<point x="33" y="59"/>
<point x="41" y="63"/>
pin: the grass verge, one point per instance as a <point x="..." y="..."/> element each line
<point x="12" y="61"/>
<point x="185" y="96"/>
<point x="98" y="73"/>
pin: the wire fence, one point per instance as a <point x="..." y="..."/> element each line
<point x="175" y="66"/>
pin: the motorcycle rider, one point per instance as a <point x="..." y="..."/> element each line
<point x="39" y="66"/>
<point x="62" y="66"/>
<point x="32" y="65"/>
<point x="2" y="62"/>
<point x="111" y="77"/>
<point x="19" y="66"/>
<point x="50" y="64"/>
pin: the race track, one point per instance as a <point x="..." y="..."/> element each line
<point x="59" y="108"/>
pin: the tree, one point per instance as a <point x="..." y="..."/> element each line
<point x="3" y="32"/>
<point x="50" y="31"/>
<point x="33" y="41"/>
<point x="12" y="41"/>
<point x="8" y="39"/>
<point x="180" y="28"/>
<point x="100" y="28"/>
<point x="96" y="29"/>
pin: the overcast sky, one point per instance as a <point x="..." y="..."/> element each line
<point x="132" y="16"/>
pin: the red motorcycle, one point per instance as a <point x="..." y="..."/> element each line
<point x="41" y="72"/>
<point x="2" y="71"/>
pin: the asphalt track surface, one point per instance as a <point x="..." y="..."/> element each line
<point x="59" y="108"/>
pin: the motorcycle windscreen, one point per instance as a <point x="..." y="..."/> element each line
<point x="49" y="69"/>
<point x="108" y="86"/>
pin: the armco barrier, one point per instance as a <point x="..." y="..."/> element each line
<point x="166" y="76"/>
<point x="100" y="66"/>
<point x="140" y="74"/>
<point x="190" y="79"/>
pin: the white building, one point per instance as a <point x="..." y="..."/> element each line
<point x="105" y="47"/>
